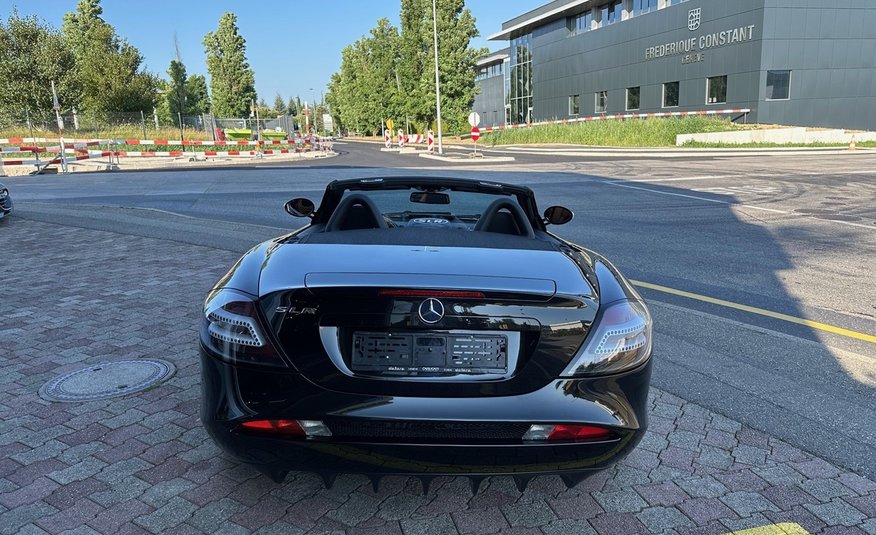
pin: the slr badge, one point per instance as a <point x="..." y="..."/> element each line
<point x="694" y="17"/>
<point x="431" y="311"/>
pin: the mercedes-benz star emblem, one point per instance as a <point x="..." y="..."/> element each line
<point x="431" y="310"/>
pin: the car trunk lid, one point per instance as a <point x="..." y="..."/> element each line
<point x="359" y="321"/>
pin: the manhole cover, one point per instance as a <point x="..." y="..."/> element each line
<point x="107" y="380"/>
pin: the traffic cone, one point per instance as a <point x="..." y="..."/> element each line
<point x="853" y="145"/>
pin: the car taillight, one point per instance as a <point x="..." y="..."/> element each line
<point x="234" y="331"/>
<point x="619" y="340"/>
<point x="568" y="433"/>
<point x="300" y="428"/>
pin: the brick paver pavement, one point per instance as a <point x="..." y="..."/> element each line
<point x="142" y="463"/>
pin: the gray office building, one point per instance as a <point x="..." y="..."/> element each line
<point x="791" y="62"/>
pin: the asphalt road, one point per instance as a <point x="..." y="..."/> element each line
<point x="720" y="245"/>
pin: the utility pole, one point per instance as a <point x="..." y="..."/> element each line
<point x="57" y="106"/>
<point x="437" y="82"/>
<point x="313" y="111"/>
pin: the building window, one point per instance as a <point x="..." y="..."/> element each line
<point x="574" y="104"/>
<point x="778" y="85"/>
<point x="490" y="71"/>
<point x="633" y="98"/>
<point x="640" y="7"/>
<point x="581" y="23"/>
<point x="615" y="11"/>
<point x="521" y="79"/>
<point x="602" y="19"/>
<point x="716" y="90"/>
<point x="601" y="101"/>
<point x="670" y="95"/>
<point x="674" y="2"/>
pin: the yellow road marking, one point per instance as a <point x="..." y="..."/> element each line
<point x="786" y="528"/>
<point x="760" y="311"/>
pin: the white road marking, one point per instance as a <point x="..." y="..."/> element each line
<point x="681" y="179"/>
<point x="733" y="190"/>
<point x="615" y="183"/>
<point x="753" y="207"/>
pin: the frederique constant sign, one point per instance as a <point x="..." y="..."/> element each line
<point x="692" y="49"/>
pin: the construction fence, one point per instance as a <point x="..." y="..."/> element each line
<point x="151" y="125"/>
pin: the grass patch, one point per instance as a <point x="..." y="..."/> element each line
<point x="650" y="132"/>
<point x="116" y="132"/>
<point x="701" y="145"/>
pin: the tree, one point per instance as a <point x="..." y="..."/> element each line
<point x="291" y="107"/>
<point x="415" y="42"/>
<point x="176" y="94"/>
<point x="232" y="82"/>
<point x="108" y="68"/>
<point x="456" y="61"/>
<point x="197" y="98"/>
<point x="365" y="92"/>
<point x="279" y="105"/>
<point x="32" y="55"/>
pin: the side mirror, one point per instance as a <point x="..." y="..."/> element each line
<point x="300" y="207"/>
<point x="558" y="215"/>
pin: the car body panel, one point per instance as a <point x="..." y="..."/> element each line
<point x="605" y="401"/>
<point x="302" y="265"/>
<point x="316" y="292"/>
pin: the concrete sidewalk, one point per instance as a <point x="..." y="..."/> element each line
<point x="143" y="463"/>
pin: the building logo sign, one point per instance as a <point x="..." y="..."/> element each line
<point x="694" y="17"/>
<point x="693" y="49"/>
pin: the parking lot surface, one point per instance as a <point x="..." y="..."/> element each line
<point x="73" y="297"/>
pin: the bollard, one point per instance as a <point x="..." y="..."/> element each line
<point x="431" y="142"/>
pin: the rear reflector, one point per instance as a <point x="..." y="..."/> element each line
<point x="431" y="293"/>
<point x="300" y="428"/>
<point x="568" y="433"/>
<point x="279" y="427"/>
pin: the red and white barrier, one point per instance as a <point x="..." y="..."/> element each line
<point x="431" y="144"/>
<point x="23" y="162"/>
<point x="80" y="143"/>
<point x="620" y="117"/>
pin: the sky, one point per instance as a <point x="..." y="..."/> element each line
<point x="293" y="47"/>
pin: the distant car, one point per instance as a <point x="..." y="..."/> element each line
<point x="426" y="326"/>
<point x="5" y="201"/>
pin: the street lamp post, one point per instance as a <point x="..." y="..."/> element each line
<point x="437" y="82"/>
<point x="313" y="109"/>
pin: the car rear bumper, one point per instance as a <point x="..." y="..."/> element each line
<point x="230" y="396"/>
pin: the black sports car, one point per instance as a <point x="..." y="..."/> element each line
<point x="5" y="201"/>
<point x="425" y="326"/>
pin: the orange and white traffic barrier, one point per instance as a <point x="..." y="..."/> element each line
<point x="80" y="143"/>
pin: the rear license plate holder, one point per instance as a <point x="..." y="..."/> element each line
<point x="429" y="353"/>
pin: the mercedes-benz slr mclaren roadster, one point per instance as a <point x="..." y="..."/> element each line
<point x="425" y="326"/>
